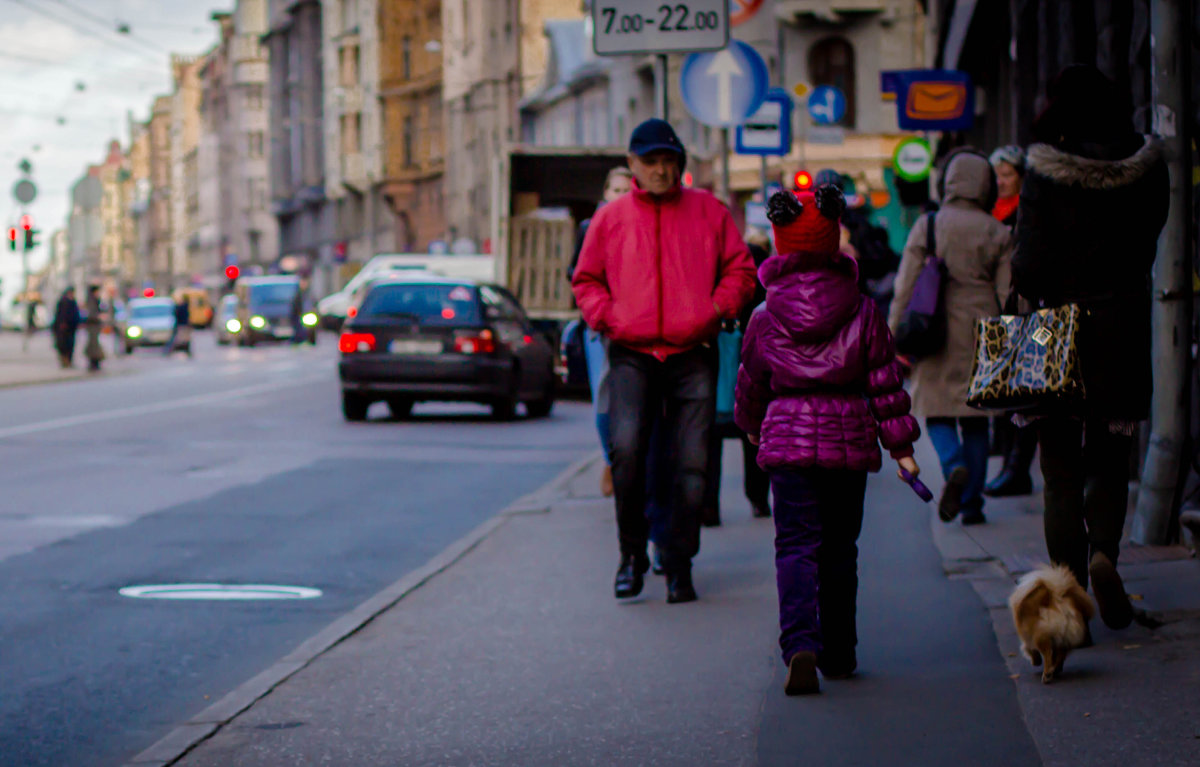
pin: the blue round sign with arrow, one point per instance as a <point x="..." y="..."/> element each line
<point x="827" y="105"/>
<point x="722" y="88"/>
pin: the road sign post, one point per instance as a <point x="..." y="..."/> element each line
<point x="622" y="27"/>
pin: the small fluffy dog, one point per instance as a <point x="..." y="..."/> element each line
<point x="1050" y="610"/>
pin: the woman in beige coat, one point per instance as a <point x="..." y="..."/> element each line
<point x="977" y="250"/>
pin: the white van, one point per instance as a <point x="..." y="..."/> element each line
<point x="332" y="308"/>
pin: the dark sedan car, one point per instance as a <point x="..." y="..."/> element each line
<point x="428" y="338"/>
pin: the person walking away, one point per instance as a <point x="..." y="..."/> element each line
<point x="1016" y="445"/>
<point x="183" y="317"/>
<point x="819" y="388"/>
<point x="296" y="313"/>
<point x="595" y="346"/>
<point x="977" y="251"/>
<point x="66" y="325"/>
<point x="94" y="324"/>
<point x="756" y="484"/>
<point x="659" y="270"/>
<point x="1095" y="197"/>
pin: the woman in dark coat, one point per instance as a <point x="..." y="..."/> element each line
<point x="1094" y="200"/>
<point x="66" y="324"/>
<point x="94" y="324"/>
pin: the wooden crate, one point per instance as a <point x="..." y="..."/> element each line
<point x="539" y="255"/>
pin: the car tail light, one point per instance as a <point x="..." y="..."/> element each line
<point x="350" y="343"/>
<point x="352" y="312"/>
<point x="475" y="342"/>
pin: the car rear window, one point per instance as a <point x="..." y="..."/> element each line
<point x="427" y="304"/>
<point x="281" y="293"/>
<point x="154" y="310"/>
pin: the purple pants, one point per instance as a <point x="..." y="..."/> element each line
<point x="818" y="516"/>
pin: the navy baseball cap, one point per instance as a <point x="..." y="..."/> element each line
<point x="655" y="135"/>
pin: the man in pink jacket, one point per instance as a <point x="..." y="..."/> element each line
<point x="659" y="270"/>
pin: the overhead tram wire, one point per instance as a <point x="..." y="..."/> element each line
<point x="111" y="26"/>
<point x="119" y="44"/>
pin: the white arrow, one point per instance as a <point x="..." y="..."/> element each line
<point x="725" y="67"/>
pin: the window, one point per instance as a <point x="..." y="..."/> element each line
<point x="348" y="76"/>
<point x="254" y="97"/>
<point x="409" y="142"/>
<point x="831" y="62"/>
<point x="406" y="57"/>
<point x="254" y="144"/>
<point x="349" y="15"/>
<point x="351" y="133"/>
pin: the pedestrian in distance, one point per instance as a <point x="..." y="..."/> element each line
<point x="181" y="329"/>
<point x="1094" y="200"/>
<point x="977" y="252"/>
<point x="1018" y="446"/>
<point x="94" y="324"/>
<point x="595" y="345"/>
<point x="819" y="389"/>
<point x="660" y="269"/>
<point x="300" y="333"/>
<point x="66" y="325"/>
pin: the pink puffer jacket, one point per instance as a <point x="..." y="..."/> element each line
<point x="819" y="380"/>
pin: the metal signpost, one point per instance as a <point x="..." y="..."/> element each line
<point x="723" y="89"/>
<point x="624" y="27"/>
<point x="767" y="132"/>
<point x="25" y="192"/>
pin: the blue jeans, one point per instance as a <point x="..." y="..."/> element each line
<point x="971" y="452"/>
<point x="595" y="350"/>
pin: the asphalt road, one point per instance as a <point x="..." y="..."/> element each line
<point x="233" y="467"/>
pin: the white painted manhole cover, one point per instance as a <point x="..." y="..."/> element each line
<point x="218" y="591"/>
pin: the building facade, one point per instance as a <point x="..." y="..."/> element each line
<point x="297" y="140"/>
<point x="354" y="155"/>
<point x="157" y="229"/>
<point x="186" y="247"/>
<point x="410" y="73"/>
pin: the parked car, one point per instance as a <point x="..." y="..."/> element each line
<point x="150" y="322"/>
<point x="429" y="338"/>
<point x="227" y="323"/>
<point x="264" y="308"/>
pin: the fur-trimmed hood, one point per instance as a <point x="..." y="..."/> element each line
<point x="1064" y="168"/>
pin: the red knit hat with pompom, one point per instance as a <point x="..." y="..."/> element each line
<point x="807" y="222"/>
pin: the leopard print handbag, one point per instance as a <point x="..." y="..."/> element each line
<point x="1027" y="361"/>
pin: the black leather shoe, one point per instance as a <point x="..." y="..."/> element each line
<point x="1008" y="484"/>
<point x="680" y="588"/>
<point x="629" y="576"/>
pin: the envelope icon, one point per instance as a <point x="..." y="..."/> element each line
<point x="933" y="100"/>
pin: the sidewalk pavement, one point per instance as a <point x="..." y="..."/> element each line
<point x="36" y="362"/>
<point x="517" y="654"/>
<point x="1133" y="698"/>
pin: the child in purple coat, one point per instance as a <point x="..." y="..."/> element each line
<point x="820" y="389"/>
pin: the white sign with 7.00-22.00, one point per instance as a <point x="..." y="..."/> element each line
<point x="645" y="26"/>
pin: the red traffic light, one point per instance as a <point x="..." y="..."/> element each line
<point x="803" y="180"/>
<point x="27" y="222"/>
<point x="687" y="179"/>
<point x="232" y="272"/>
<point x="148" y="292"/>
<point x="12" y="233"/>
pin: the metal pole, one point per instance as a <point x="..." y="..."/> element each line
<point x="28" y="301"/>
<point x="1172" y="285"/>
<point x="726" y="193"/>
<point x="664" y="90"/>
<point x="762" y="177"/>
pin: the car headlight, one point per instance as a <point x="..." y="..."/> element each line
<point x="134" y="331"/>
<point x="233" y="326"/>
<point x="309" y="319"/>
<point x="258" y="323"/>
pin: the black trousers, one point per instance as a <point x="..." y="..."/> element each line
<point x="683" y="387"/>
<point x="1087" y="491"/>
<point x="756" y="483"/>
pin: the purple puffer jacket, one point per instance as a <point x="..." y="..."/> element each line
<point x="819" y="381"/>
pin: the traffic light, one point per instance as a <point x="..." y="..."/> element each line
<point x="12" y="238"/>
<point x="803" y="181"/>
<point x="31" y="239"/>
<point x="232" y="272"/>
<point x="27" y="222"/>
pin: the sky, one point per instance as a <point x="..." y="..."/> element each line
<point x="63" y="60"/>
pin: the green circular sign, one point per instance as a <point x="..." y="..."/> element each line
<point x="913" y="159"/>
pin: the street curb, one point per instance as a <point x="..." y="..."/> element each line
<point x="177" y="743"/>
